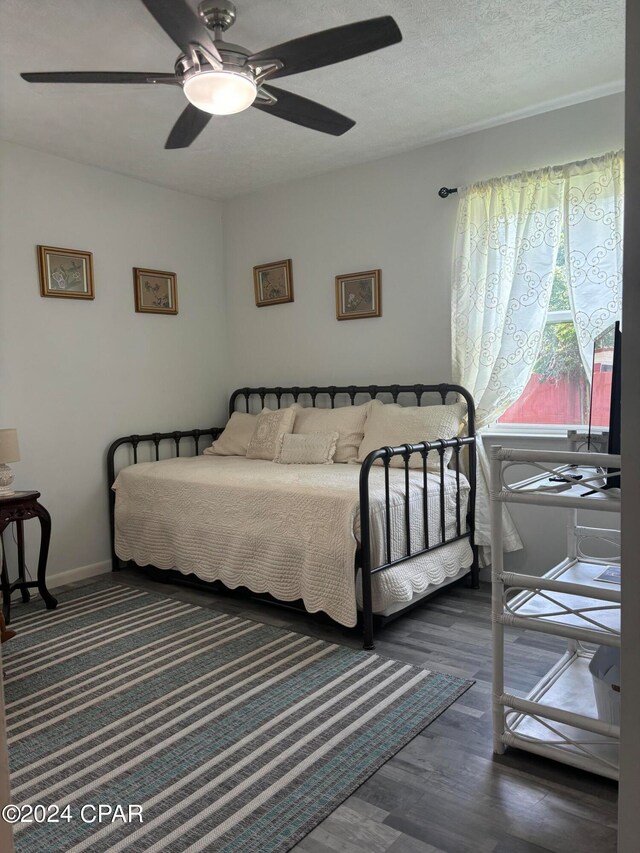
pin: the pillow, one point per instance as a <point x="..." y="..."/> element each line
<point x="390" y="425"/>
<point x="311" y="448"/>
<point x="347" y="421"/>
<point x="270" y="427"/>
<point x="236" y="436"/>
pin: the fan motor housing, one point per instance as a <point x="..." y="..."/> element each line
<point x="217" y="15"/>
<point x="234" y="58"/>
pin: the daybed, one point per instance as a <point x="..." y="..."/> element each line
<point x="403" y="517"/>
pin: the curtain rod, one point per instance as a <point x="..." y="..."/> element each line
<point x="445" y="192"/>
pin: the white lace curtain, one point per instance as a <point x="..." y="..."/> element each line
<point x="506" y="246"/>
<point x="593" y="215"/>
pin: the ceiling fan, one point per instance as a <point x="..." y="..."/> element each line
<point x="221" y="78"/>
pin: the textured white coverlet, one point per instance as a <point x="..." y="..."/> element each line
<point x="289" y="530"/>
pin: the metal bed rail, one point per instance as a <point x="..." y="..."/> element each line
<point x="333" y="392"/>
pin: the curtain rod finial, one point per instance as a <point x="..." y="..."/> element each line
<point x="444" y="192"/>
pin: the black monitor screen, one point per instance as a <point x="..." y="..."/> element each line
<point x="605" y="410"/>
<point x="601" y="379"/>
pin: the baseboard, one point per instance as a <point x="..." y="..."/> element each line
<point x="82" y="572"/>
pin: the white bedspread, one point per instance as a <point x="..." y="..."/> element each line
<point x="289" y="530"/>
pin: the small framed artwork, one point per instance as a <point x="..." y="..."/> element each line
<point x="65" y="272"/>
<point x="156" y="292"/>
<point x="358" y="295"/>
<point x="273" y="283"/>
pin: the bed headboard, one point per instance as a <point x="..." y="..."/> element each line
<point x="332" y="396"/>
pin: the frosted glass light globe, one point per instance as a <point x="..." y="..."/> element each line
<point x="220" y="92"/>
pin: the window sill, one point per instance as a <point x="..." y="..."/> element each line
<point x="528" y="436"/>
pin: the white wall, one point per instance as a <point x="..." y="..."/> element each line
<point x="76" y="374"/>
<point x="383" y="214"/>
<point x="386" y="214"/>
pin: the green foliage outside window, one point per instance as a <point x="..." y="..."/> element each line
<point x="559" y="356"/>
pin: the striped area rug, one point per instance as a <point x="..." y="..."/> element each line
<point x="230" y="734"/>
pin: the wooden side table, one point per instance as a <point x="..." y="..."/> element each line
<point x="18" y="508"/>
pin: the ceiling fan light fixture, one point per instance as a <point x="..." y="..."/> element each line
<point x="220" y="92"/>
<point x="221" y="78"/>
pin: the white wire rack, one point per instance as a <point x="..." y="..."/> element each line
<point x="558" y="718"/>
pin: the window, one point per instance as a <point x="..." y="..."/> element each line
<point x="526" y="307"/>
<point x="559" y="388"/>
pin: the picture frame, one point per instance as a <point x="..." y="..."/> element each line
<point x="273" y="283"/>
<point x="155" y="291"/>
<point x="66" y="273"/>
<point x="358" y="295"/>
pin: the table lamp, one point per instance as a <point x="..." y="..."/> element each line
<point x="9" y="452"/>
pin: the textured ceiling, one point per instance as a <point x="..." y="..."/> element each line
<point x="462" y="64"/>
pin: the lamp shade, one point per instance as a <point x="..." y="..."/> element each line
<point x="9" y="451"/>
<point x="221" y="93"/>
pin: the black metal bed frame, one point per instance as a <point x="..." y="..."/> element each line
<point x="384" y="455"/>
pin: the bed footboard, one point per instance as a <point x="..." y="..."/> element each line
<point x="464" y="528"/>
<point x="155" y="439"/>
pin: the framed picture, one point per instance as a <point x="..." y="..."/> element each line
<point x="273" y="283"/>
<point x="358" y="295"/>
<point x="156" y="292"/>
<point x="65" y="272"/>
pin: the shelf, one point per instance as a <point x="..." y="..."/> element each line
<point x="569" y="608"/>
<point x="558" y="719"/>
<point x="567" y="687"/>
<point x="541" y="491"/>
<point x="538" y="489"/>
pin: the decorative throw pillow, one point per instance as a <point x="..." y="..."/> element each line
<point x="270" y="427"/>
<point x="347" y="421"/>
<point x="311" y="448"/>
<point x="391" y="425"/>
<point x="237" y="434"/>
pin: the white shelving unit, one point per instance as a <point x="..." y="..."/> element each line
<point x="558" y="718"/>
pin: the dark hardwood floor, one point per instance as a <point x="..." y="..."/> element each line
<point x="446" y="791"/>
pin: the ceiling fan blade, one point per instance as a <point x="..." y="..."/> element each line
<point x="181" y="24"/>
<point x="307" y="113"/>
<point x="330" y="46"/>
<point x="191" y="123"/>
<point x="97" y="77"/>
